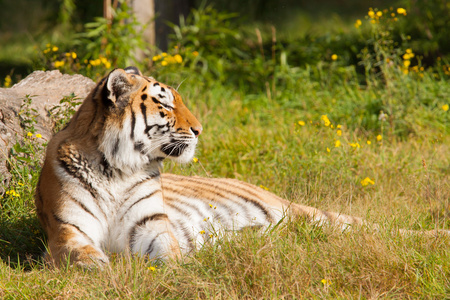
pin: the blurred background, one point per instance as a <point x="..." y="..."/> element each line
<point x="307" y="31"/>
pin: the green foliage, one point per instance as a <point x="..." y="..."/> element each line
<point x="18" y="223"/>
<point x="104" y="44"/>
<point x="117" y="40"/>
<point x="62" y="113"/>
<point x="428" y="25"/>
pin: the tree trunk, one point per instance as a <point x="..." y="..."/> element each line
<point x="169" y="10"/>
<point x="144" y="11"/>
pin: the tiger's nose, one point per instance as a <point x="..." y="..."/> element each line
<point x="197" y="130"/>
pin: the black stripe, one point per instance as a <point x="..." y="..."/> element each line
<point x="137" y="184"/>
<point x="68" y="196"/>
<point x="74" y="173"/>
<point x="225" y="194"/>
<point x="160" y="103"/>
<point x="187" y="236"/>
<point x="116" y="147"/>
<point x="150" y="246"/>
<point x="196" y="209"/>
<point x="139" y="200"/>
<point x="59" y="220"/>
<point x="133" y="124"/>
<point x="154" y="217"/>
<point x="144" y="113"/>
<point x="245" y="198"/>
<point x="177" y="201"/>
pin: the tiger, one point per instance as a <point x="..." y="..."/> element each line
<point x="101" y="189"/>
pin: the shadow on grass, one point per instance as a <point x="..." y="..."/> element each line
<point x="21" y="241"/>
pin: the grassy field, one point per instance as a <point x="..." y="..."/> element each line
<point x="374" y="145"/>
<point x="284" y="149"/>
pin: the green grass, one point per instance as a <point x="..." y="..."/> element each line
<point x="259" y="140"/>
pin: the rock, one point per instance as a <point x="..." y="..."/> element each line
<point x="46" y="89"/>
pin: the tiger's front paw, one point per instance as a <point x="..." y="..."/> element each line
<point x="86" y="257"/>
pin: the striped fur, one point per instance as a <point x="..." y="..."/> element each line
<point x="101" y="190"/>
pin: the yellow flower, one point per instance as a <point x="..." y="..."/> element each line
<point x="338" y="126"/>
<point x="54" y="49"/>
<point x="325" y="282"/>
<point x="369" y="142"/>
<point x="379" y="137"/>
<point x="12" y="193"/>
<point x="7" y="82"/>
<point x="195" y="159"/>
<point x="445" y="107"/>
<point x="178" y="58"/>
<point x="59" y="63"/>
<point x="74" y="55"/>
<point x="339" y="132"/>
<point x="366" y="181"/>
<point x="401" y="11"/>
<point x="325" y="120"/>
<point x="107" y="65"/>
<point x="301" y="123"/>
<point x="153" y="269"/>
<point x="29" y="134"/>
<point x="39" y="136"/>
<point x="358" y="23"/>
<point x="20" y="184"/>
<point x="164" y="54"/>
<point x="371" y="14"/>
<point x="337" y="144"/>
<point x="379" y="13"/>
<point x="202" y="232"/>
<point x="328" y="150"/>
<point x="156" y="58"/>
<point x="355" y="145"/>
<point x="195" y="53"/>
<point x="406" y="63"/>
<point x="334" y="57"/>
<point x="164" y="63"/>
<point x="263" y="187"/>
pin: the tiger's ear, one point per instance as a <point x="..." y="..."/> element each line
<point x="119" y="84"/>
<point x="133" y="70"/>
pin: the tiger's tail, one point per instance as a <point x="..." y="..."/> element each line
<point x="346" y="222"/>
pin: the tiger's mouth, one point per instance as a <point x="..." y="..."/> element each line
<point x="174" y="149"/>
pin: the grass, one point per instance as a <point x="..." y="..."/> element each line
<point x="260" y="141"/>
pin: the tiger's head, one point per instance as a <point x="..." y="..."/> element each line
<point x="143" y="121"/>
